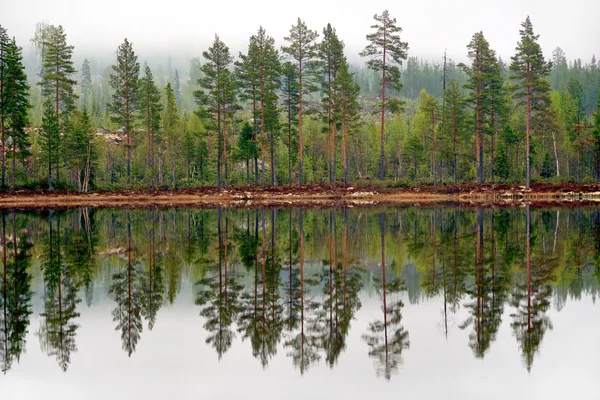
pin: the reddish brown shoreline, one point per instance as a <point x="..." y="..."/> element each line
<point x="543" y="195"/>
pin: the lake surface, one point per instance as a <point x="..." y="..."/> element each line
<point x="353" y="303"/>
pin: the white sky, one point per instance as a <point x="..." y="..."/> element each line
<point x="185" y="28"/>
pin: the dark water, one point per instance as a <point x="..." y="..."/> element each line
<point x="287" y="303"/>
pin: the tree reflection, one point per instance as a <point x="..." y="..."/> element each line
<point x="532" y="300"/>
<point x="387" y="338"/>
<point x="127" y="292"/>
<point x="15" y="296"/>
<point x="303" y="345"/>
<point x="218" y="295"/>
<point x="59" y="327"/>
<point x="152" y="278"/>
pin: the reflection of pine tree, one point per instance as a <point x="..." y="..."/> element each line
<point x="127" y="292"/>
<point x="262" y="319"/>
<point x="488" y="293"/>
<point x="387" y="338"/>
<point x="341" y="288"/>
<point x="217" y="296"/>
<point x="57" y="333"/>
<point x="152" y="280"/>
<point x="15" y="296"/>
<point x="80" y="250"/>
<point x="302" y="342"/>
<point x="532" y="300"/>
<point x="291" y="283"/>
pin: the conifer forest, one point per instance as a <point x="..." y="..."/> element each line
<point x="297" y="112"/>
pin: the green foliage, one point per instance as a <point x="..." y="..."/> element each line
<point x="57" y="70"/>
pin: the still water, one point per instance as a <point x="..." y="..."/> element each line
<point x="300" y="303"/>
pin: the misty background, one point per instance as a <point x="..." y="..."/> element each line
<point x="182" y="29"/>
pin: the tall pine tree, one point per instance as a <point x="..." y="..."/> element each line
<point x="57" y="77"/>
<point x="150" y="107"/>
<point x="303" y="49"/>
<point x="478" y="85"/>
<point x="385" y="52"/>
<point x="530" y="71"/>
<point x="346" y="107"/>
<point x="331" y="53"/>
<point x="216" y="96"/>
<point x="16" y="102"/>
<point x="125" y="86"/>
<point x="49" y="139"/>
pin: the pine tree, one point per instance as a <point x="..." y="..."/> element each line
<point x="386" y="51"/>
<point x="150" y="108"/>
<point x="596" y="139"/>
<point x="16" y="102"/>
<point x="79" y="147"/>
<point x="217" y="95"/>
<point x="303" y="49"/>
<point x="454" y="122"/>
<point x="49" y="139"/>
<point x="177" y="87"/>
<point x="346" y="107"/>
<point x="430" y="108"/>
<point x="290" y="96"/>
<point x="171" y="129"/>
<point x="246" y="147"/>
<point x="498" y="106"/>
<point x="331" y="52"/>
<point x="57" y="71"/>
<point x="125" y="86"/>
<point x="246" y="74"/>
<point x="4" y="110"/>
<point x="86" y="83"/>
<point x="480" y="78"/>
<point x="529" y="71"/>
<point x="262" y="74"/>
<point x="57" y="82"/>
<point x="575" y="119"/>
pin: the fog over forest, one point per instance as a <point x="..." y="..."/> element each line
<point x="184" y="29"/>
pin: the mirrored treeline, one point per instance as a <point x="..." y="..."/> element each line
<point x="293" y="281"/>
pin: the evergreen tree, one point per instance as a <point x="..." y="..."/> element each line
<point x="150" y="108"/>
<point x="290" y="96"/>
<point x="265" y="58"/>
<point x="246" y="147"/>
<point x="80" y="152"/>
<point x="331" y="53"/>
<point x="4" y="110"/>
<point x="303" y="49"/>
<point x="177" y="87"/>
<point x="15" y="100"/>
<point x="217" y="95"/>
<point x="57" y="71"/>
<point x="346" y="107"/>
<point x="498" y="106"/>
<point x="454" y="123"/>
<point x="386" y="51"/>
<point x="57" y="82"/>
<point x="529" y="71"/>
<point x="502" y="167"/>
<point x="246" y="74"/>
<point x="596" y="139"/>
<point x="125" y="86"/>
<point x="429" y="108"/>
<point x="49" y="139"/>
<point x="480" y="78"/>
<point x="171" y="129"/>
<point x="86" y="83"/>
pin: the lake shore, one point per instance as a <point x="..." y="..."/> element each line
<point x="311" y="196"/>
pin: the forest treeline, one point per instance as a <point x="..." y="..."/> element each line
<point x="297" y="113"/>
<point x="293" y="279"/>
